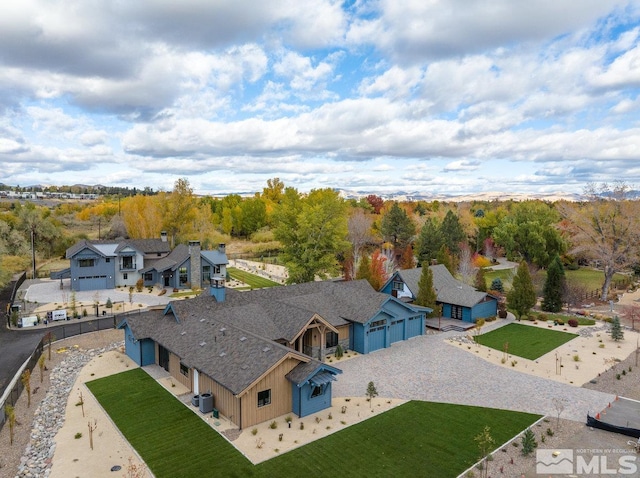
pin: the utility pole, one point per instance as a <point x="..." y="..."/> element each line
<point x="33" y="252"/>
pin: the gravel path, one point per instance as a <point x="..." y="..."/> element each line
<point x="428" y="368"/>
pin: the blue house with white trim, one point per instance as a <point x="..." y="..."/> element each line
<point x="457" y="299"/>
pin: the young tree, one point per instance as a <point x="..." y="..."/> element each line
<point x="312" y="231"/>
<point x="41" y="366"/>
<point x="485" y="444"/>
<point x="529" y="442"/>
<point x="178" y="210"/>
<point x="496" y="284"/>
<point x="364" y="268"/>
<point x="26" y="382"/>
<point x="616" y="331"/>
<point x="605" y="227"/>
<point x="378" y="272"/>
<point x="371" y="393"/>
<point x="465" y="263"/>
<point x="632" y="313"/>
<point x="397" y="227"/>
<point x="445" y="258"/>
<point x="554" y="287"/>
<point x="10" y="411"/>
<point x="522" y="296"/>
<point x="427" y="296"/>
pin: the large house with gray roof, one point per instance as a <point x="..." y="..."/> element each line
<point x="458" y="300"/>
<point x="261" y="353"/>
<point x="106" y="264"/>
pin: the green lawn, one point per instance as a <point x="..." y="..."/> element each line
<point x="415" y="439"/>
<point x="524" y="340"/>
<point x="252" y="280"/>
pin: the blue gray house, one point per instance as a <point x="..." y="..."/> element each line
<point x="260" y="353"/>
<point x="105" y="264"/>
<point x="458" y="300"/>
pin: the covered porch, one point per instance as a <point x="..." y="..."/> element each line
<point x="444" y="324"/>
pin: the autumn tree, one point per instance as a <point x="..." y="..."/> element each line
<point x="554" y="287"/>
<point x="397" y="227"/>
<point x="142" y="216"/>
<point x="312" y="231"/>
<point x="631" y="312"/>
<point x="407" y="260"/>
<point x="480" y="282"/>
<point x="364" y="268"/>
<point x="359" y="232"/>
<point x="38" y="230"/>
<point x="605" y="227"/>
<point x="178" y="210"/>
<point x="429" y="241"/>
<point x="427" y="296"/>
<point x="522" y="296"/>
<point x="378" y="271"/>
<point x="376" y="203"/>
<point x="466" y="268"/>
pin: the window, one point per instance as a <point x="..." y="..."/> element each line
<point x="108" y="259"/>
<point x="264" y="398"/>
<point x="125" y="276"/>
<point x="206" y="273"/>
<point x="317" y="391"/>
<point x="86" y="262"/>
<point x="332" y="339"/>
<point x="127" y="262"/>
<point x="398" y="285"/>
<point x="148" y="276"/>
<point x="184" y="370"/>
<point x="183" y="275"/>
<point x="216" y="269"/>
<point x="377" y="323"/>
<point x="456" y="312"/>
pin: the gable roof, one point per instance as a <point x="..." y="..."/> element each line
<point x="215" y="257"/>
<point x="172" y="261"/>
<point x="146" y="246"/>
<point x="234" y="358"/>
<point x="312" y="371"/>
<point x="449" y="290"/>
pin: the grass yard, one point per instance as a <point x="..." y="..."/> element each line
<point x="252" y="280"/>
<point x="415" y="439"/>
<point x="525" y="341"/>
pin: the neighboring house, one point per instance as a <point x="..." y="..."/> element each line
<point x="458" y="300"/>
<point x="254" y="350"/>
<point x="105" y="264"/>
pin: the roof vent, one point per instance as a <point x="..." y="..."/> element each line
<point x="244" y="367"/>
<point x="266" y="349"/>
<point x="202" y="320"/>
<point x="183" y="333"/>
<point x="222" y="354"/>
<point x="243" y="338"/>
<point x="202" y="344"/>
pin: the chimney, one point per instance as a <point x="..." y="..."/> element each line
<point x="221" y="248"/>
<point x="163" y="236"/>
<point x="196" y="264"/>
<point x="217" y="289"/>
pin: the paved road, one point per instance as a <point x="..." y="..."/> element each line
<point x="15" y="348"/>
<point x="428" y="368"/>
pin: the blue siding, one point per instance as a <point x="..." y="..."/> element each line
<point x="132" y="347"/>
<point x="100" y="276"/>
<point x="307" y="404"/>
<point x="415" y="326"/>
<point x="466" y="314"/>
<point x="359" y="338"/>
<point x="446" y="310"/>
<point x="396" y="332"/>
<point x="148" y="352"/>
<point x="377" y="339"/>
<point x="485" y="309"/>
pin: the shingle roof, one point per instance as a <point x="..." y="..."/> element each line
<point x="449" y="290"/>
<point x="146" y="246"/>
<point x="233" y="357"/>
<point x="305" y="371"/>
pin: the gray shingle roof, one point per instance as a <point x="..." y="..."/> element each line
<point x="233" y="357"/>
<point x="448" y="289"/>
<point x="146" y="246"/>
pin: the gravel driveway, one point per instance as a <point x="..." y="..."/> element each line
<point x="427" y="368"/>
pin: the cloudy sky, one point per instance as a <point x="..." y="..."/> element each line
<point x="442" y="96"/>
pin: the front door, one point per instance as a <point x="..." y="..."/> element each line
<point x="163" y="357"/>
<point x="166" y="281"/>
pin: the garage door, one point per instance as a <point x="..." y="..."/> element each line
<point x="92" y="283"/>
<point x="396" y="334"/>
<point x="413" y="327"/>
<point x="376" y="338"/>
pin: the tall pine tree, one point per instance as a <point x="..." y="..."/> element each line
<point x="427" y="296"/>
<point x="480" y="282"/>
<point x="522" y="296"/>
<point x="554" y="286"/>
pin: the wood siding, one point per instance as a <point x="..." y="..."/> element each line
<point x="281" y="400"/>
<point x="174" y="370"/>
<point x="223" y="400"/>
<point x="343" y="332"/>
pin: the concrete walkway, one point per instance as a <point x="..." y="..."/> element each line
<point x="428" y="368"/>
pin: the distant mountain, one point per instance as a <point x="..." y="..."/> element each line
<point x="480" y="196"/>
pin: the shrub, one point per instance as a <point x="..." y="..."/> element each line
<point x="339" y="352"/>
<point x="617" y="376"/>
<point x="576" y="358"/>
<point x="273" y="425"/>
<point x="139" y="285"/>
<point x="254" y="432"/>
<point x="84" y="312"/>
<point x="573" y="322"/>
<point x="560" y="322"/>
<point x="528" y="442"/>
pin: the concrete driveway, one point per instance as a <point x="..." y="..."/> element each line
<point x="427" y="368"/>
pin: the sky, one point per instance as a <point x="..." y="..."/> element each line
<point x="430" y="96"/>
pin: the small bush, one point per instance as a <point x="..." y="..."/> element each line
<point x="549" y="432"/>
<point x="573" y="322"/>
<point x="254" y="432"/>
<point x="576" y="358"/>
<point x="618" y="376"/>
<point x="273" y="425"/>
<point x="77" y="436"/>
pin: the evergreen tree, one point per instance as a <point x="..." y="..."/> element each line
<point x="616" y="331"/>
<point x="397" y="227"/>
<point x="522" y="296"/>
<point x="529" y="442"/>
<point x="364" y="268"/>
<point x="429" y="242"/>
<point x="427" y="296"/>
<point x="371" y="393"/>
<point x="445" y="258"/>
<point x="554" y="287"/>
<point x="452" y="232"/>
<point x="480" y="282"/>
<point x="496" y="284"/>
